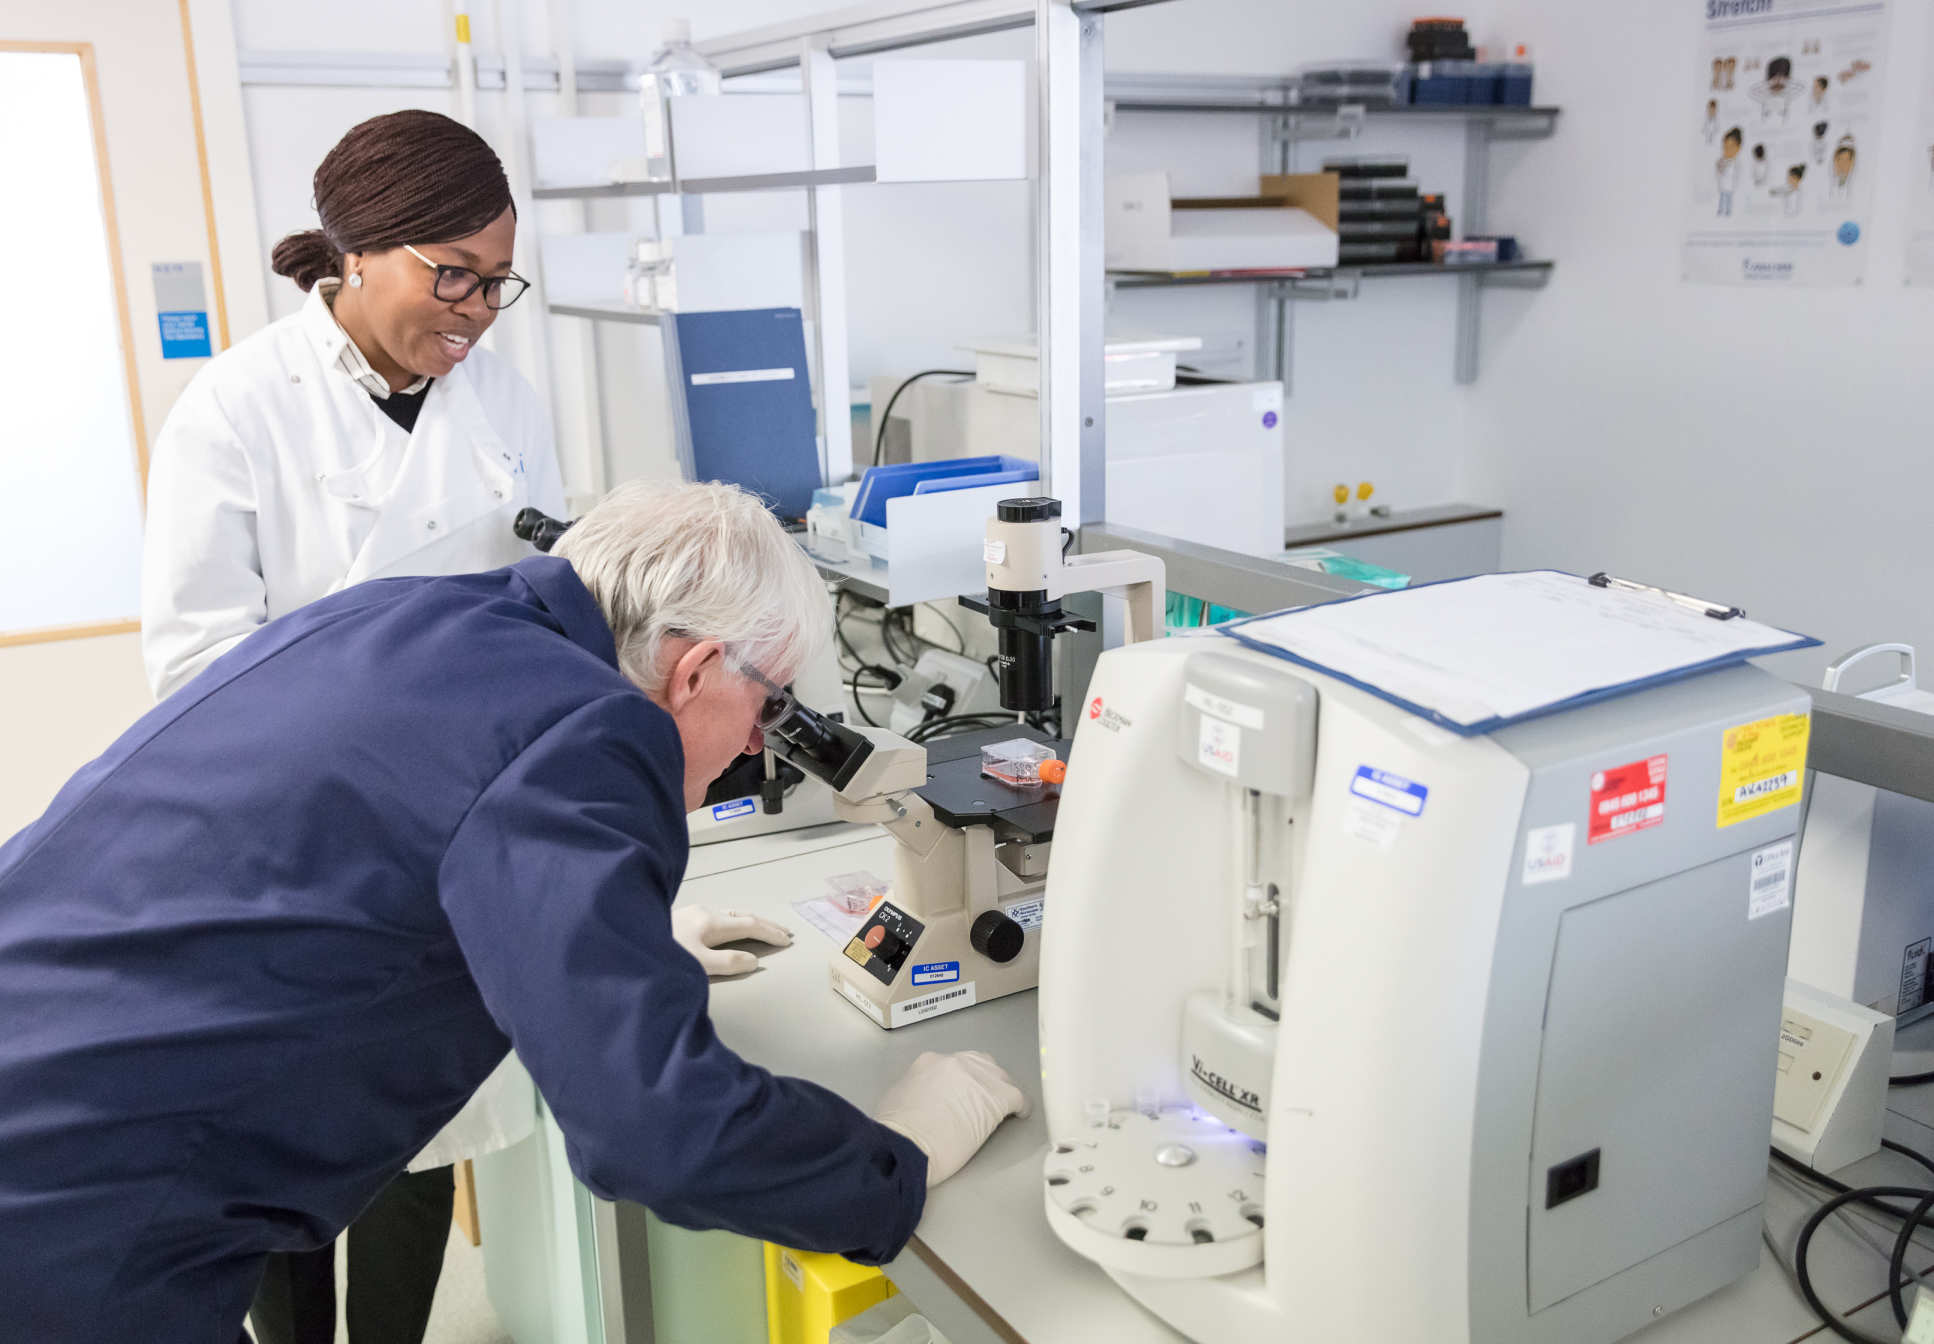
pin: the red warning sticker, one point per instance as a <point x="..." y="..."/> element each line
<point x="1627" y="798"/>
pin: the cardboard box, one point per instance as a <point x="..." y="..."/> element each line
<point x="1290" y="224"/>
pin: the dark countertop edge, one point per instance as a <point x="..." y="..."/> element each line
<point x="1405" y="520"/>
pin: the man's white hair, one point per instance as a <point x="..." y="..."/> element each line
<point x="705" y="561"/>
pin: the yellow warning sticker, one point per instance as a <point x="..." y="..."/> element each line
<point x="1761" y="765"/>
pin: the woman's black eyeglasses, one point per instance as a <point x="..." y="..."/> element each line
<point x="454" y="284"/>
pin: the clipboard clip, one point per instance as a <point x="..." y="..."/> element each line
<point x="1698" y="604"/>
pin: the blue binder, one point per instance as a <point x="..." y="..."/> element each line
<point x="880" y="484"/>
<point x="749" y="403"/>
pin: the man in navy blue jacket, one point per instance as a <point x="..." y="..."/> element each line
<point x="253" y="957"/>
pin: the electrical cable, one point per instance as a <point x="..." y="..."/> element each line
<point x="1908" y="1220"/>
<point x="1812" y="1225"/>
<point x="1854" y="1220"/>
<point x="1911" y="1080"/>
<point x="1899" y="1257"/>
<point x="889" y="679"/>
<point x="840" y="617"/>
<point x="950" y="724"/>
<point x="928" y="729"/>
<point x="1908" y="1153"/>
<point x="898" y="656"/>
<point x="859" y="708"/>
<point x="1898" y="1261"/>
<point x="879" y="434"/>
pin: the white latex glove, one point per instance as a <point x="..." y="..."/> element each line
<point x="948" y="1105"/>
<point x="700" y="931"/>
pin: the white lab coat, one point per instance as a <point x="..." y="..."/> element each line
<point x="276" y="480"/>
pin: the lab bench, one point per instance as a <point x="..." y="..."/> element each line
<point x="984" y="1265"/>
<point x="1445" y="541"/>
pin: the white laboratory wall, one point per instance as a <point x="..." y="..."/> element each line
<point x="1765" y="447"/>
<point x="1371" y="394"/>
<point x="931" y="267"/>
<point x="67" y="701"/>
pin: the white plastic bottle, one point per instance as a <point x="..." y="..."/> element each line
<point x="676" y="70"/>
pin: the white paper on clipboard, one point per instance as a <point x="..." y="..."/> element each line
<point x="1499" y="647"/>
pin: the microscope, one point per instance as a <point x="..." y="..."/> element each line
<point x="962" y="923"/>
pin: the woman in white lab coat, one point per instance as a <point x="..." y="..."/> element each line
<point x="364" y="436"/>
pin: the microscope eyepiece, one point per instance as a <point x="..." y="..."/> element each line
<point x="830" y="752"/>
<point x="538" y="528"/>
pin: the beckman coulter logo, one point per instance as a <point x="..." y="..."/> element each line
<point x="1111" y="719"/>
<point x="1094" y="708"/>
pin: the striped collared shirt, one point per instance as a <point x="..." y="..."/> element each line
<point x="350" y="360"/>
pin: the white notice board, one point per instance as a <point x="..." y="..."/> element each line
<point x="1476" y="654"/>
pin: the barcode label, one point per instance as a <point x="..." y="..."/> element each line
<point x="932" y="1005"/>
<point x="1769" y="876"/>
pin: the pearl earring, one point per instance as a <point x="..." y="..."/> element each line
<point x="356" y="280"/>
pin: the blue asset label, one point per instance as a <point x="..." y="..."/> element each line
<point x="727" y="811"/>
<point x="185" y="336"/>
<point x="1391" y="791"/>
<point x="937" y="973"/>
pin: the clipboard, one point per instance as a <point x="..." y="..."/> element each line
<point x="1478" y="654"/>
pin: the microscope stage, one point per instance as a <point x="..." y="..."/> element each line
<point x="961" y="796"/>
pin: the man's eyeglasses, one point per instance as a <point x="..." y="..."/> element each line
<point x="779" y="701"/>
<point x="454" y="284"/>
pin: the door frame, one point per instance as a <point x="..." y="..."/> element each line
<point x="90" y="77"/>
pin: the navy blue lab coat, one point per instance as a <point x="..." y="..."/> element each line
<point x="255" y="956"/>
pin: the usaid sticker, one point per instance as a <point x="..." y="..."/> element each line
<point x="937" y="973"/>
<point x="1547" y="853"/>
<point x="737" y="808"/>
<point x="1392" y="791"/>
<point x="1219" y="746"/>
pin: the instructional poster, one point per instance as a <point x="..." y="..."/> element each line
<point x="1784" y="130"/>
<point x="1920" y="192"/>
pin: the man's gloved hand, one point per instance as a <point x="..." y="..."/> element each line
<point x="700" y="931"/>
<point x="948" y="1105"/>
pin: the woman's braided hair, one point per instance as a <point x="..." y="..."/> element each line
<point x="407" y="177"/>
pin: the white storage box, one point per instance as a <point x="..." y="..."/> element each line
<point x="1128" y="364"/>
<point x="1202" y="461"/>
<point x="1290" y="224"/>
<point x="712" y="272"/>
<point x="927" y="121"/>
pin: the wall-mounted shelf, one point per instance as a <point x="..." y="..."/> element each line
<point x="1292" y="123"/>
<point x="1342" y="282"/>
<point x="1344" y="121"/>
<point x="1277" y="97"/>
<point x="703" y="186"/>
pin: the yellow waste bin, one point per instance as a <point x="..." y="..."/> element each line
<point x="808" y="1293"/>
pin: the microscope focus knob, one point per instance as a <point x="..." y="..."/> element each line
<point x="997" y="937"/>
